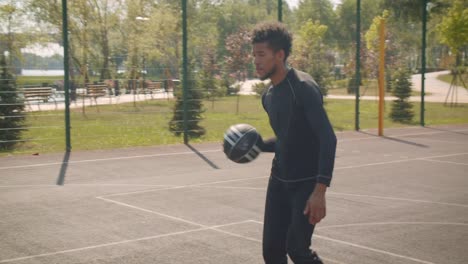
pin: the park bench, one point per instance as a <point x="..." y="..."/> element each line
<point x="93" y="91"/>
<point x="153" y="88"/>
<point x="39" y="95"/>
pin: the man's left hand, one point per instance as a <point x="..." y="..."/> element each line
<point x="315" y="207"/>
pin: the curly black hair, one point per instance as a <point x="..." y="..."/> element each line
<point x="275" y="34"/>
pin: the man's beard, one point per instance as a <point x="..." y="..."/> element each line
<point x="268" y="74"/>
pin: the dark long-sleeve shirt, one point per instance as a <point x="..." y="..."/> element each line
<point x="305" y="142"/>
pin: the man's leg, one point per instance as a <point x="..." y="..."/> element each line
<point x="300" y="231"/>
<point x="276" y="223"/>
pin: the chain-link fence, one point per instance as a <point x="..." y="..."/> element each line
<point x="127" y="88"/>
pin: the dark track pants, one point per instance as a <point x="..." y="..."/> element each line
<point x="286" y="229"/>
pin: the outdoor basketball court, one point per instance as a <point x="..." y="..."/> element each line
<point x="397" y="199"/>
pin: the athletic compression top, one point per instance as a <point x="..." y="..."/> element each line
<point x="305" y="142"/>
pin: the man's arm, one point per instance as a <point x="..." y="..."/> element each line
<point x="315" y="113"/>
<point x="267" y="145"/>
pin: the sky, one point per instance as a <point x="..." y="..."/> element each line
<point x="294" y="3"/>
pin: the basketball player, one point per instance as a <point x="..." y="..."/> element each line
<point x="304" y="147"/>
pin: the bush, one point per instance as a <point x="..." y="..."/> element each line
<point x="401" y="107"/>
<point x="11" y="109"/>
<point x="352" y="86"/>
<point x="194" y="112"/>
<point x="260" y="88"/>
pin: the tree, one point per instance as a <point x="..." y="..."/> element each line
<point x="194" y="111"/>
<point x="401" y="107"/>
<point x="453" y="29"/>
<point x="346" y="24"/>
<point x="239" y="53"/>
<point x="309" y="54"/>
<point x="320" y="11"/>
<point x="411" y="10"/>
<point x="11" y="109"/>
<point x="14" y="33"/>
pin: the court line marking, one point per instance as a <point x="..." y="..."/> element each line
<point x="203" y="227"/>
<point x="349" y="194"/>
<point x="120" y="242"/>
<point x="390" y="223"/>
<point x="108" y="159"/>
<point x="372" y="249"/>
<point x="184" y="186"/>
<point x="317" y="236"/>
<point x="385" y="252"/>
<point x="152" y="212"/>
<point x="246" y="179"/>
<point x="444" y="161"/>
<point x="404" y="135"/>
<point x="399" y="161"/>
<point x="203" y="151"/>
<point x="85" y="185"/>
<point x="396" y="199"/>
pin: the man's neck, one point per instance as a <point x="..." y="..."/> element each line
<point x="279" y="75"/>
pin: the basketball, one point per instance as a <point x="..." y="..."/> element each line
<point x="240" y="143"/>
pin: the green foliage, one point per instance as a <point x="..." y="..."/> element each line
<point x="194" y="111"/>
<point x="388" y="81"/>
<point x="260" y="88"/>
<point x="352" y="85"/>
<point x="454" y="27"/>
<point x="11" y="109"/>
<point x="401" y="107"/>
<point x="309" y="55"/>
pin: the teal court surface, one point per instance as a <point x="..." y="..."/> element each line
<point x="396" y="199"/>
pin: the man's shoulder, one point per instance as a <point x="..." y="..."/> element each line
<point x="307" y="87"/>
<point x="304" y="78"/>
<point x="306" y="81"/>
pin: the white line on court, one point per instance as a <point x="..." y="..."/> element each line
<point x="372" y="249"/>
<point x="152" y="212"/>
<point x="444" y="161"/>
<point x="184" y="186"/>
<point x="109" y="159"/>
<point x="396" y="199"/>
<point x="399" y="161"/>
<point x="120" y="242"/>
<point x="402" y="135"/>
<point x="85" y="185"/>
<point x="204" y="151"/>
<point x="366" y="248"/>
<point x="391" y="223"/>
<point x="349" y="194"/>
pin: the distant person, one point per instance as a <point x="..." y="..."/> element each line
<point x="304" y="147"/>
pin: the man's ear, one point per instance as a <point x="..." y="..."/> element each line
<point x="280" y="55"/>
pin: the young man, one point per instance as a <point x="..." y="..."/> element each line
<point x="304" y="147"/>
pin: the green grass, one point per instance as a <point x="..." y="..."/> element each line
<point x="37" y="80"/>
<point x="123" y="125"/>
<point x="449" y="77"/>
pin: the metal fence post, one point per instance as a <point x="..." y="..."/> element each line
<point x="358" y="60"/>
<point x="423" y="60"/>
<point x="66" y="75"/>
<point x="184" y="66"/>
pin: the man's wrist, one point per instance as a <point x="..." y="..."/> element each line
<point x="320" y="188"/>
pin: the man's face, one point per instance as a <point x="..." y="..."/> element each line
<point x="266" y="60"/>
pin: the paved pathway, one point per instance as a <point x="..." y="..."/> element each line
<point x="436" y="90"/>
